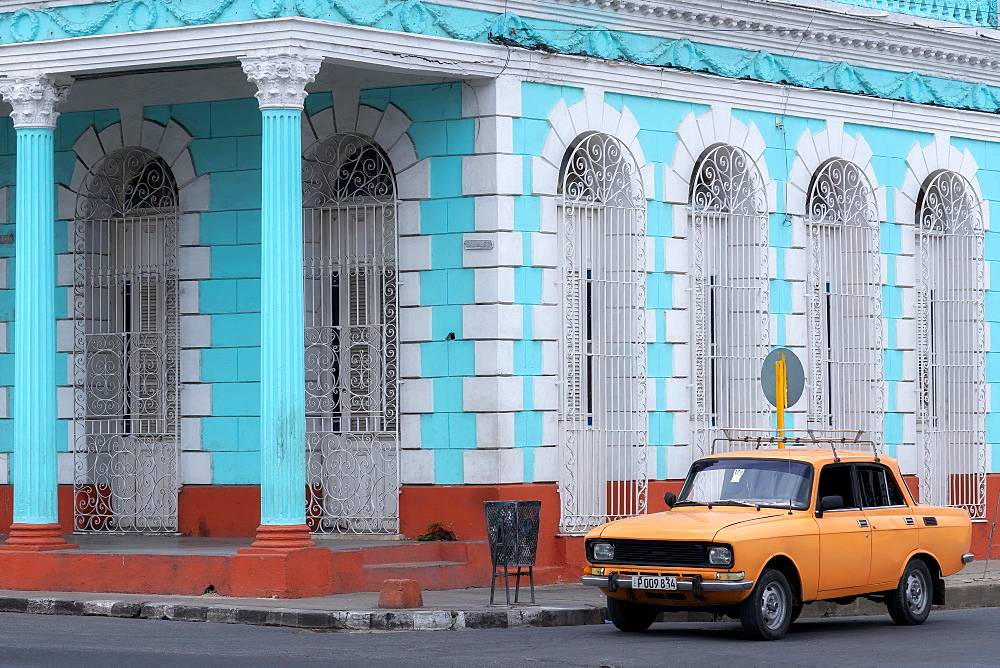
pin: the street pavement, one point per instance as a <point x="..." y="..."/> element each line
<point x="948" y="638"/>
<point x="556" y="605"/>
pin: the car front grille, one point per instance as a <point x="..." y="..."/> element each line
<point x="659" y="552"/>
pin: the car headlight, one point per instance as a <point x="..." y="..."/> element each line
<point x="720" y="556"/>
<point x="602" y="551"/>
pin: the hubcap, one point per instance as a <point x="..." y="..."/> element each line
<point x="916" y="593"/>
<point x="772" y="605"/>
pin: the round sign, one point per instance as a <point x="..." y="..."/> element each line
<point x="795" y="378"/>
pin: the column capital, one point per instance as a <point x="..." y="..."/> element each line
<point x="280" y="78"/>
<point x="34" y="99"/>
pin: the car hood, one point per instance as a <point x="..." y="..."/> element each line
<point x="686" y="523"/>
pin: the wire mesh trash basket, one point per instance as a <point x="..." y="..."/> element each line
<point x="512" y="527"/>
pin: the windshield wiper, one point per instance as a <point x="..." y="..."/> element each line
<point x="734" y="502"/>
<point x="692" y="503"/>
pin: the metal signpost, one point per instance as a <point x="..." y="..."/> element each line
<point x="782" y="379"/>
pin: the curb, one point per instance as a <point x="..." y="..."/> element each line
<point x="374" y="620"/>
<point x="971" y="595"/>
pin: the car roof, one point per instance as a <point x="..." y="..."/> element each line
<point x="816" y="456"/>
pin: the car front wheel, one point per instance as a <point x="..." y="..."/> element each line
<point x="630" y="617"/>
<point x="910" y="602"/>
<point x="767" y="611"/>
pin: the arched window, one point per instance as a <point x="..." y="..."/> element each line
<point x="351" y="319"/>
<point x="729" y="273"/>
<point x="603" y="414"/>
<point x="951" y="343"/>
<point x="126" y="345"/>
<point x="844" y="301"/>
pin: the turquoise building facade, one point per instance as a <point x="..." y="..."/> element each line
<point x="494" y="315"/>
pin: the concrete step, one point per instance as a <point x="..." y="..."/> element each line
<point x="427" y="551"/>
<point x="415" y="564"/>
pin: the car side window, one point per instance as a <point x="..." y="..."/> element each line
<point x="836" y="480"/>
<point x="878" y="487"/>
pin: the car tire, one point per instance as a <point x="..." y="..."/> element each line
<point x="630" y="617"/>
<point x="767" y="612"/>
<point x="910" y="602"/>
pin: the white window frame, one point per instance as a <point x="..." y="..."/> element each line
<point x="951" y="343"/>
<point x="844" y="296"/>
<point x="730" y="314"/>
<point x="603" y="418"/>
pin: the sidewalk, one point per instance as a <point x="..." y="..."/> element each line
<point x="557" y="605"/>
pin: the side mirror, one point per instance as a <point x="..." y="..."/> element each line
<point x="670" y="499"/>
<point x="829" y="503"/>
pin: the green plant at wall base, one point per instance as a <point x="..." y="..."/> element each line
<point x="437" y="531"/>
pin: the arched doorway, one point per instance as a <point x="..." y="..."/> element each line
<point x="351" y="337"/>
<point x="126" y="346"/>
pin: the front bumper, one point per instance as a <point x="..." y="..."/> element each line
<point x="614" y="582"/>
<point x="967" y="558"/>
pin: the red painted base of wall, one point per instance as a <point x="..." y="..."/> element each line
<point x="284" y="574"/>
<point x="235" y="511"/>
<point x="219" y="511"/>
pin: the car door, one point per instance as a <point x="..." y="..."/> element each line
<point x="845" y="550"/>
<point x="893" y="529"/>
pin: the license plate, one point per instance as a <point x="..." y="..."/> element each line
<point x="661" y="582"/>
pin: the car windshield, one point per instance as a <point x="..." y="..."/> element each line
<point x="758" y="482"/>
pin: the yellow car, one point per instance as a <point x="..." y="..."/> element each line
<point x="757" y="534"/>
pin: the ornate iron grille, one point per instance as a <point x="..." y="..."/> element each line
<point x="730" y="311"/>
<point x="603" y="413"/>
<point x="844" y="296"/>
<point x="951" y="343"/>
<point x="351" y="338"/>
<point x="125" y="362"/>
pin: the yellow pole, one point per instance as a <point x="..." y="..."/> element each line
<point x="781" y="389"/>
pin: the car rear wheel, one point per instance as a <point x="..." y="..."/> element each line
<point x="630" y="617"/>
<point x="767" y="611"/>
<point x="910" y="602"/>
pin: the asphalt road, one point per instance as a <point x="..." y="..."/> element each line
<point x="958" y="637"/>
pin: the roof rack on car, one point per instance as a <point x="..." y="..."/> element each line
<point x="816" y="438"/>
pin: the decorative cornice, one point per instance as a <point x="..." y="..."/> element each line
<point x="820" y="29"/>
<point x="619" y="45"/>
<point x="968" y="12"/>
<point x="281" y="78"/>
<point x="810" y="28"/>
<point x="34" y="100"/>
<point x="797" y="45"/>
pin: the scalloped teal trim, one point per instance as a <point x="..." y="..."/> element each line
<point x="416" y="16"/>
